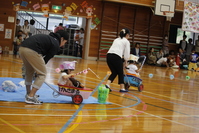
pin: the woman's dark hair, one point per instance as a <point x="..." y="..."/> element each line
<point x="124" y="32"/>
<point x="82" y="29"/>
<point x="137" y="43"/>
<point x="150" y="50"/>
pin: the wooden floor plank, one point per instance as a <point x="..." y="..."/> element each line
<point x="165" y="105"/>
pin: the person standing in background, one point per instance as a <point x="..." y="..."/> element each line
<point x="76" y="41"/>
<point x="165" y="45"/>
<point x="183" y="43"/>
<point x="119" y="49"/>
<point x="32" y="28"/>
<point x="25" y="29"/>
<point x="197" y="46"/>
<point x="18" y="27"/>
<point x="190" y="47"/>
<point x="81" y="41"/>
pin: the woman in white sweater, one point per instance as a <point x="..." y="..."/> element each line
<point x="120" y="49"/>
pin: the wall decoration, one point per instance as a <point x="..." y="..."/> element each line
<point x="8" y="34"/>
<point x="36" y="6"/>
<point x="16" y="7"/>
<point x="1" y="27"/>
<point x="11" y="19"/>
<point x="73" y="6"/>
<point x="67" y="12"/>
<point x="24" y="3"/>
<point x="191" y="17"/>
<point x="45" y="9"/>
<point x="84" y="4"/>
<point x="89" y="11"/>
<point x="93" y="26"/>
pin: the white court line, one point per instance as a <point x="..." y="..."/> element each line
<point x="4" y="114"/>
<point x="157" y="116"/>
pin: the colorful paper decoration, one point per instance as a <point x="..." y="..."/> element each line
<point x="24" y="3"/>
<point x="84" y="4"/>
<point x="16" y="7"/>
<point x="191" y="17"/>
<point x="97" y="21"/>
<point x="93" y="26"/>
<point x="67" y="12"/>
<point x="89" y="11"/>
<point x="74" y="6"/>
<point x="45" y="8"/>
<point x="36" y="6"/>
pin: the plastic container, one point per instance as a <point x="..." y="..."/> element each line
<point x="102" y="94"/>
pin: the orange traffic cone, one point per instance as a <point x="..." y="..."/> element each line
<point x="178" y="60"/>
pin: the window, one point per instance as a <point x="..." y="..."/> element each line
<point x="176" y="34"/>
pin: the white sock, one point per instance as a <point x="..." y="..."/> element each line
<point x="123" y="89"/>
<point x="30" y="97"/>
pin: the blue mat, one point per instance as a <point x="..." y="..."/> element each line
<point x="45" y="94"/>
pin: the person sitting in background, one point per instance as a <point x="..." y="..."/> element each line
<point x="151" y="57"/>
<point x="159" y="54"/>
<point x="163" y="61"/>
<point x="137" y="52"/>
<point x="172" y="58"/>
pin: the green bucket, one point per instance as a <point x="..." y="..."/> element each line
<point x="102" y="93"/>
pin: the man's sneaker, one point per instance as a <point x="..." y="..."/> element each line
<point x="123" y="90"/>
<point x="32" y="100"/>
<point x="108" y="88"/>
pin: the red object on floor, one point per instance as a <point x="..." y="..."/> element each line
<point x="178" y="59"/>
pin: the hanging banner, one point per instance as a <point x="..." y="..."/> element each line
<point x="191" y="17"/>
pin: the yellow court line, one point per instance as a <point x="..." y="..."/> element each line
<point x="12" y="126"/>
<point x="79" y="119"/>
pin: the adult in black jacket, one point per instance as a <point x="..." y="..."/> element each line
<point x="35" y="52"/>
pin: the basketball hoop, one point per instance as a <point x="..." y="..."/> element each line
<point x="168" y="15"/>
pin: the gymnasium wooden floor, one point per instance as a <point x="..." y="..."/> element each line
<point x="165" y="106"/>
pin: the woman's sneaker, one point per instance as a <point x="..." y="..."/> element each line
<point x="32" y="100"/>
